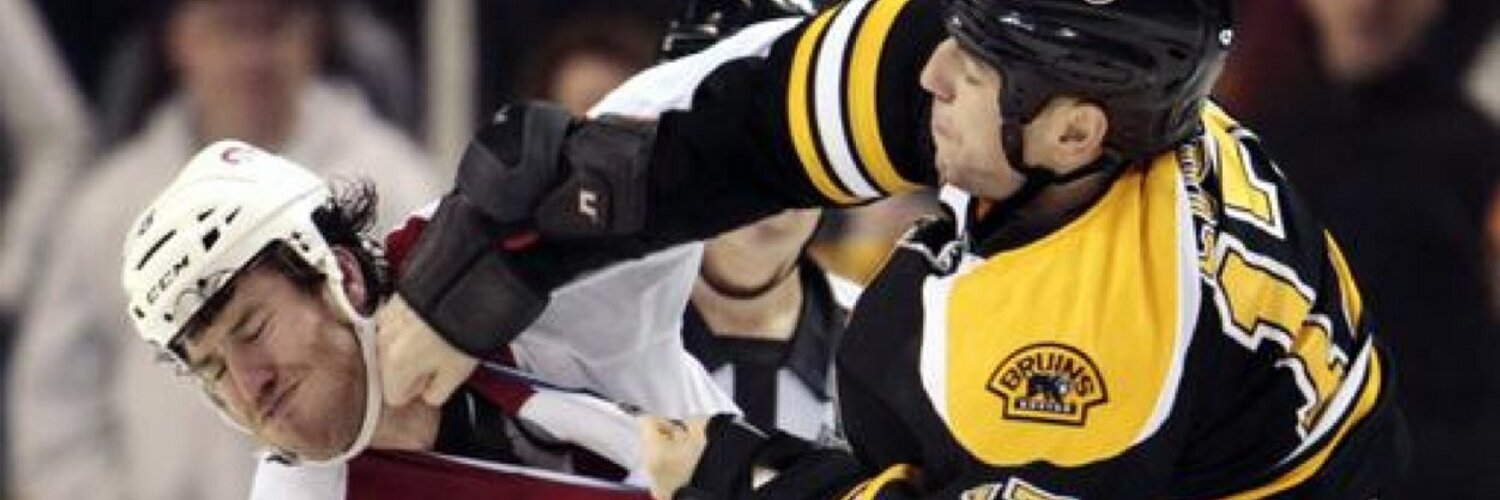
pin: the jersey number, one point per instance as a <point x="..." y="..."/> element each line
<point x="1263" y="300"/>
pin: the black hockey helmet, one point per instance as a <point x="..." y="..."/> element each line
<point x="1149" y="63"/>
<point x="700" y="23"/>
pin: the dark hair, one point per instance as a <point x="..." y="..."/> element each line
<point x="346" y="221"/>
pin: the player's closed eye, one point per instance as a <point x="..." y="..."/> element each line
<point x="251" y="333"/>
<point x="213" y="368"/>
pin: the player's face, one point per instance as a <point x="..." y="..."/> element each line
<point x="283" y="365"/>
<point x="966" y="123"/>
<point x="1362" y="39"/>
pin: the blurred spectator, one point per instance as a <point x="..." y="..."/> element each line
<point x="1484" y="86"/>
<point x="588" y="53"/>
<point x="44" y="139"/>
<point x="1363" y="42"/>
<point x="46" y="131"/>
<point x="360" y="47"/>
<point x="93" y="419"/>
<point x="1381" y="140"/>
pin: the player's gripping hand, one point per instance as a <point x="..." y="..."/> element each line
<point x="538" y="200"/>
<point x="415" y="362"/>
<point x="672" y="449"/>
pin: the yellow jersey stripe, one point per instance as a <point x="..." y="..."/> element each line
<point x="869" y="490"/>
<point x="799" y="112"/>
<point x="1313" y="464"/>
<point x="1353" y="303"/>
<point x="864" y="120"/>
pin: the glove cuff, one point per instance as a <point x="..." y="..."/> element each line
<point x="462" y="286"/>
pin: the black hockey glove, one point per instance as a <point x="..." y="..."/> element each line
<point x="735" y="449"/>
<point x="538" y="200"/>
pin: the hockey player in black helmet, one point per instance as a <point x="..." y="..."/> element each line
<point x="1148" y="65"/>
<point x="1129" y="301"/>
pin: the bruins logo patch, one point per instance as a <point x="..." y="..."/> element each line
<point x="1012" y="489"/>
<point x="1048" y="383"/>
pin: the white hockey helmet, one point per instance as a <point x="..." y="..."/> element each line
<point x="229" y="203"/>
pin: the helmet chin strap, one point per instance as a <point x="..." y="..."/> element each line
<point x="1036" y="179"/>
<point x="364" y="330"/>
<point x="364" y="334"/>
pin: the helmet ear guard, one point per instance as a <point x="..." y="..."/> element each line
<point x="228" y="204"/>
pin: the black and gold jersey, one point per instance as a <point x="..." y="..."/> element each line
<point x="1193" y="333"/>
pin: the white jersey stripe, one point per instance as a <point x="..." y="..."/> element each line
<point x="828" y="100"/>
<point x="1189" y="300"/>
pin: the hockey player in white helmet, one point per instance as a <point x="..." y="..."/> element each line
<point x="233" y="217"/>
<point x="260" y="280"/>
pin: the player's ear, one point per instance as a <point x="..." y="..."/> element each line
<point x="1067" y="134"/>
<point x="355" y="288"/>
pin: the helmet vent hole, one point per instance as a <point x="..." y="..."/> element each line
<point x="230" y="218"/>
<point x="209" y="239"/>
<point x="204" y="214"/>
<point x="301" y="243"/>
<point x="138" y="313"/>
<point x="154" y="248"/>
<point x="145" y="224"/>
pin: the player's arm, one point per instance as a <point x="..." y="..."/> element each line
<point x="831" y="114"/>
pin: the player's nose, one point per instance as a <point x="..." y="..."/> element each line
<point x="937" y="74"/>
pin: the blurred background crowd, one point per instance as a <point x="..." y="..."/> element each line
<point x="1384" y="113"/>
